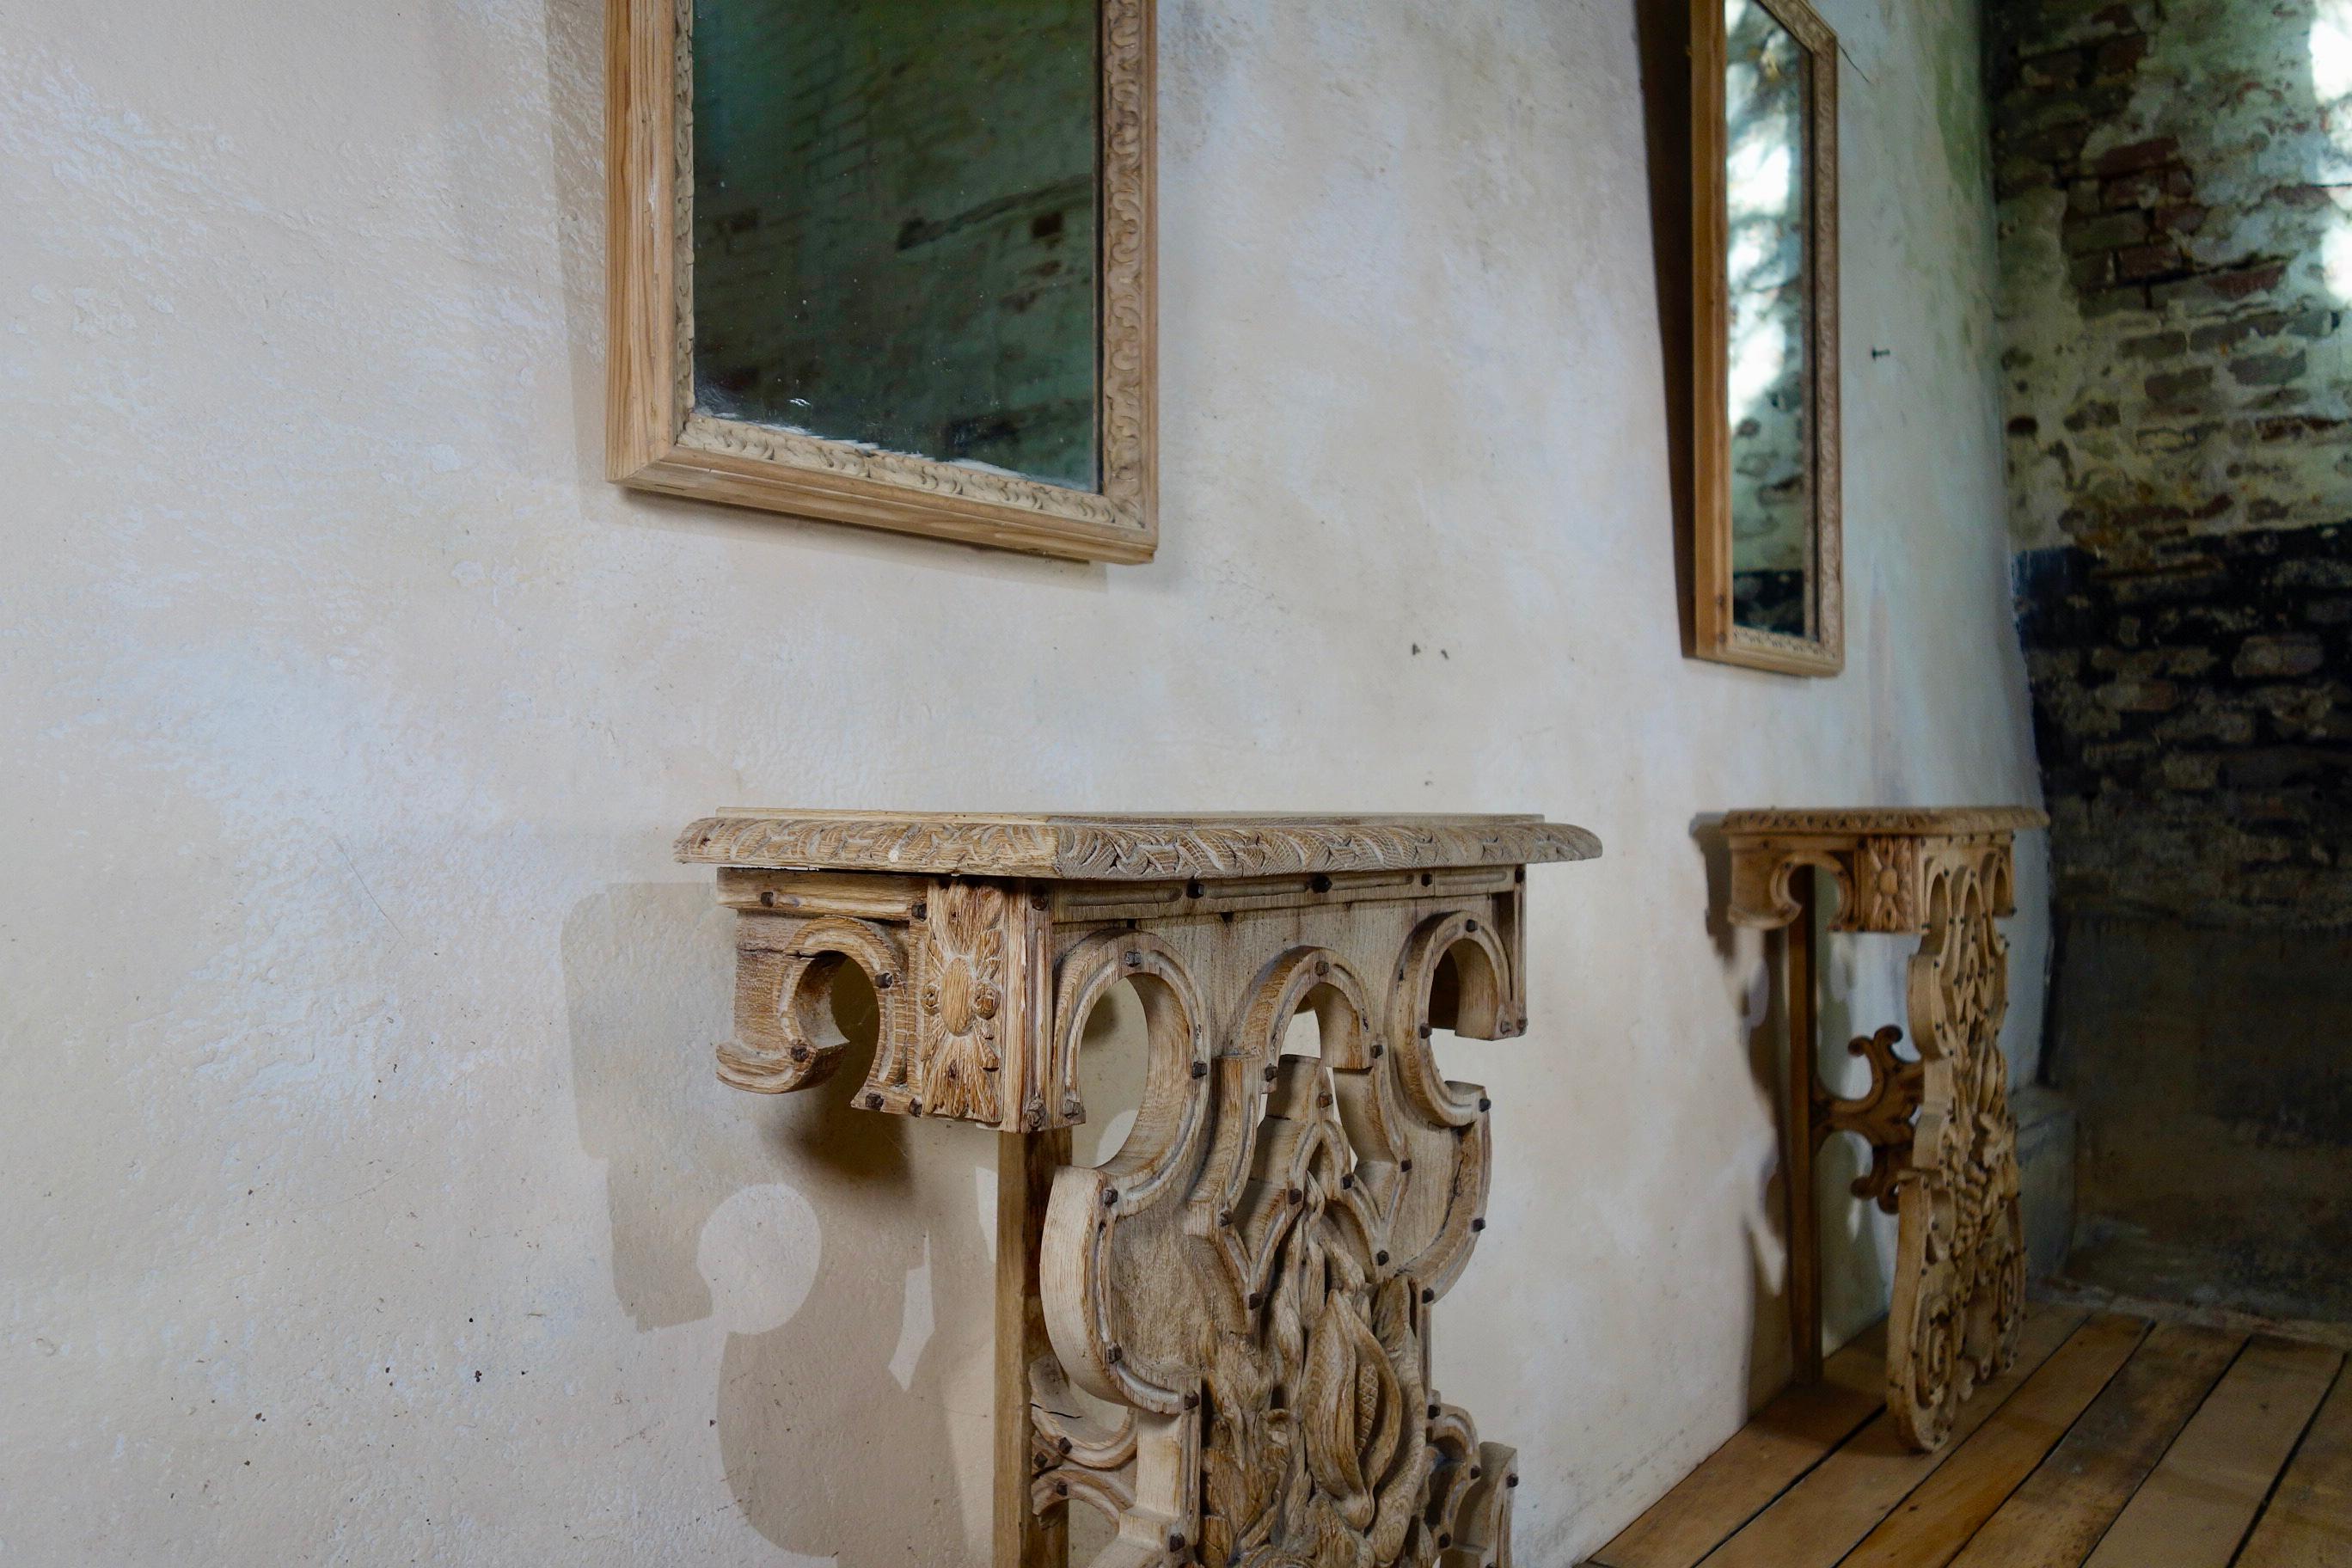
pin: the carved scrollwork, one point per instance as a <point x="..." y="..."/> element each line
<point x="1251" y="1279"/>
<point x="1219" y="1336"/>
<point x="1884" y="884"/>
<point x="785" y="1036"/>
<point x="1876" y="858"/>
<point x="1942" y="1139"/>
<point x="1880" y="1117"/>
<point x="1960" y="1292"/>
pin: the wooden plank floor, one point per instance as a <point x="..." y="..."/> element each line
<point x="2115" y="1442"/>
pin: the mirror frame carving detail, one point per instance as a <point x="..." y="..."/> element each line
<point x="656" y="439"/>
<point x="1715" y="635"/>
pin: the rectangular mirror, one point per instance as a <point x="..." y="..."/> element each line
<point x="888" y="262"/>
<point x="1767" y="536"/>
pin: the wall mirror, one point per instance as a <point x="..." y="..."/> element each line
<point x="1765" y="535"/>
<point x="887" y="262"/>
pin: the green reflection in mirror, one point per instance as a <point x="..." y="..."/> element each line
<point x="894" y="226"/>
<point x="1769" y="282"/>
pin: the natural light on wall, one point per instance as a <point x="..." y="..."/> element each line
<point x="1760" y="174"/>
<point x="2331" y="84"/>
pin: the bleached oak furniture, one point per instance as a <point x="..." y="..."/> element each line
<point x="1943" y="1142"/>
<point x="1248" y="1281"/>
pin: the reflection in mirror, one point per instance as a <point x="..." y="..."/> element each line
<point x="895" y="236"/>
<point x="1767" y="280"/>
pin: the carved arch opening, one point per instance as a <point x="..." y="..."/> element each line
<point x="812" y="996"/>
<point x="1453" y="974"/>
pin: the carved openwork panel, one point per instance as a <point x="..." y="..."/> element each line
<point x="1943" y="1142"/>
<point x="1960" y="1283"/>
<point x="1226" y="1341"/>
<point x="1252" y="1277"/>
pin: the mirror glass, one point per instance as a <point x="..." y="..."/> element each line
<point x="1769" y="288"/>
<point x="894" y="226"/>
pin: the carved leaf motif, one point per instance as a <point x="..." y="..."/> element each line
<point x="1248" y="1451"/>
<point x="1348" y="1398"/>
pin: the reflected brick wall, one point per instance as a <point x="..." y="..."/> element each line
<point x="894" y="225"/>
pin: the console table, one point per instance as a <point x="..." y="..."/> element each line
<point x="1248" y="1282"/>
<point x="1943" y="1142"/>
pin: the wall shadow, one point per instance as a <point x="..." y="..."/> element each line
<point x="1662" y="37"/>
<point x="1857" y="1280"/>
<point x="1760" y="1005"/>
<point x="843" y="1369"/>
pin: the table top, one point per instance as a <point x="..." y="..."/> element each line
<point x="1122" y="848"/>
<point x="1908" y="821"/>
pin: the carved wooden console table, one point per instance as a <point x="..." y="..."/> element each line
<point x="1943" y="1143"/>
<point x="1248" y="1282"/>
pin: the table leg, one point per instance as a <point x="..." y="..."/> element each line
<point x="1803" y="1142"/>
<point x="1026" y="1163"/>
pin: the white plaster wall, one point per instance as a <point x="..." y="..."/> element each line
<point x="369" y="1197"/>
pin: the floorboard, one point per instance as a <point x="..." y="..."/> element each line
<point x="2058" y="1515"/>
<point x="1935" y="1522"/>
<point x="2116" y="1442"/>
<point x="2195" y="1508"/>
<point x="1819" y="1521"/>
<point x="2308" y="1523"/>
<point x="1787" y="1438"/>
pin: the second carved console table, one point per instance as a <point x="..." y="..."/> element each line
<point x="1943" y="1142"/>
<point x="1248" y="1282"/>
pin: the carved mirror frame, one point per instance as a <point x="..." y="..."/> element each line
<point x="657" y="440"/>
<point x="1717" y="635"/>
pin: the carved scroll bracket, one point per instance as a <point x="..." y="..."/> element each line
<point x="1880" y="1117"/>
<point x="1219" y="1337"/>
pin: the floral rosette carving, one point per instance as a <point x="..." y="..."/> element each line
<point x="964" y="988"/>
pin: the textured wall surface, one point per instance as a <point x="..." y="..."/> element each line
<point x="371" y="1196"/>
<point x="2207" y="1063"/>
<point x="2176" y="211"/>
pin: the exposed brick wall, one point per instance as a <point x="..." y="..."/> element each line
<point x="2195" y="725"/>
<point x="2169" y="182"/>
<point x="2175" y="186"/>
<point x="2179" y="389"/>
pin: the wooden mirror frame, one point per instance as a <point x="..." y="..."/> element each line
<point x="1716" y="634"/>
<point x="656" y="439"/>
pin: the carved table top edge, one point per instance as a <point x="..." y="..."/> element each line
<point x="1921" y="822"/>
<point x="1123" y="849"/>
